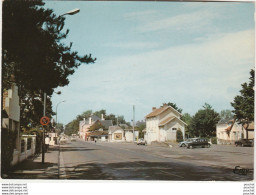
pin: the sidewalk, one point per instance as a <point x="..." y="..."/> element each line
<point x="32" y="168"/>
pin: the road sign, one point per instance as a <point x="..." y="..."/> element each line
<point x="44" y="120"/>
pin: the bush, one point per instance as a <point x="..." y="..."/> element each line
<point x="8" y="141"/>
<point x="214" y="140"/>
<point x="179" y="136"/>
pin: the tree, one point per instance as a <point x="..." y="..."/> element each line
<point x="179" y="136"/>
<point x="34" y="53"/>
<point x="174" y="106"/>
<point x="186" y="117"/>
<point x="226" y="115"/>
<point x="243" y="104"/>
<point x="96" y="126"/>
<point x="204" y="122"/>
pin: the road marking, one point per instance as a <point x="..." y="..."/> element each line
<point x="62" y="165"/>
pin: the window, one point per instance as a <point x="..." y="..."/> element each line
<point x="22" y="145"/>
<point x="174" y="129"/>
<point x="29" y="142"/>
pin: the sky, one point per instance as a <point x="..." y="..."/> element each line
<point x="149" y="53"/>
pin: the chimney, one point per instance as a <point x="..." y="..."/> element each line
<point x="90" y="120"/>
<point x="102" y="118"/>
<point x="165" y="105"/>
<point x="153" y="108"/>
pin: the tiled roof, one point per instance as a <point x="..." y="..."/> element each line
<point x="162" y="123"/>
<point x="106" y="123"/>
<point x="156" y="112"/>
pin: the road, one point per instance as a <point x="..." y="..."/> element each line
<point x="126" y="161"/>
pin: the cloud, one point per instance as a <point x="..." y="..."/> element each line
<point x="140" y="14"/>
<point x="194" y="21"/>
<point x="134" y="45"/>
<point x="188" y="75"/>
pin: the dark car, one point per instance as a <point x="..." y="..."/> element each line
<point x="245" y="142"/>
<point x="200" y="142"/>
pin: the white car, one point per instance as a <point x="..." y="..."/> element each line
<point x="73" y="138"/>
<point x="63" y="140"/>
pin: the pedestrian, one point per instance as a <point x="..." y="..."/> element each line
<point x="95" y="141"/>
<point x="47" y="142"/>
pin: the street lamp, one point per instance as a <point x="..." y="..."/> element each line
<point x="72" y="12"/>
<point x="57" y="110"/>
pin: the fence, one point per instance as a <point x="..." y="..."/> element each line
<point x="27" y="148"/>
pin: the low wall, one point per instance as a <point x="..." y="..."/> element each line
<point x="18" y="155"/>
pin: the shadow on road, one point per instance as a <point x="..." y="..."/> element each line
<point x="67" y="149"/>
<point x="29" y="169"/>
<point x="142" y="170"/>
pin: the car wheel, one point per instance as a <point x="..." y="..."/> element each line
<point x="183" y="145"/>
<point x="242" y="145"/>
<point x="191" y="147"/>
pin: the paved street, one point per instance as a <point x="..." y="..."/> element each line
<point x="124" y="161"/>
<point x="127" y="161"/>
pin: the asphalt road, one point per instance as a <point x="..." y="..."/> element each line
<point x="126" y="161"/>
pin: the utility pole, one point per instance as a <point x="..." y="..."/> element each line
<point x="43" y="145"/>
<point x="133" y="123"/>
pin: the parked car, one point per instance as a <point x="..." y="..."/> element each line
<point x="63" y="140"/>
<point x="141" y="142"/>
<point x="185" y="143"/>
<point x="199" y="142"/>
<point x="245" y="142"/>
<point x="73" y="138"/>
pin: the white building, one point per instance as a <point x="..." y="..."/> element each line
<point x="228" y="131"/>
<point x="116" y="134"/>
<point x="162" y="124"/>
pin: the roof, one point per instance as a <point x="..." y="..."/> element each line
<point x="158" y="111"/>
<point x="114" y="128"/>
<point x="169" y="119"/>
<point x="97" y="133"/>
<point x="106" y="123"/>
<point x="226" y="121"/>
<point x="95" y="118"/>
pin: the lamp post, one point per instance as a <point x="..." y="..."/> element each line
<point x="72" y="12"/>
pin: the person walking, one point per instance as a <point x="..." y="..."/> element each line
<point x="47" y="142"/>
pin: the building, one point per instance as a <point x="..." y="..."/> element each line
<point x="116" y="134"/>
<point x="24" y="145"/>
<point x="86" y="124"/>
<point x="162" y="124"/>
<point x="228" y="131"/>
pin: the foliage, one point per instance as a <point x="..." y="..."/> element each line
<point x="8" y="141"/>
<point x="33" y="51"/>
<point x="226" y="114"/>
<point x="204" y="122"/>
<point x="179" y="136"/>
<point x="243" y="104"/>
<point x="59" y="128"/>
<point x="214" y="140"/>
<point x="186" y="117"/>
<point x="140" y="127"/>
<point x="174" y="106"/>
<point x="73" y="126"/>
<point x="39" y="138"/>
<point x="96" y="126"/>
